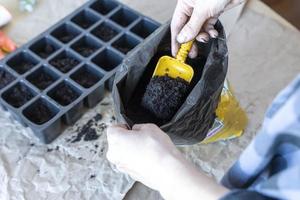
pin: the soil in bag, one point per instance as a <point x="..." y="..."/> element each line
<point x="164" y="95"/>
<point x="136" y="110"/>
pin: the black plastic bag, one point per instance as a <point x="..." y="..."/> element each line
<point x="197" y="114"/>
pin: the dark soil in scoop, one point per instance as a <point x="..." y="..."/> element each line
<point x="64" y="64"/>
<point x="105" y="33"/>
<point x="164" y="95"/>
<point x="18" y="96"/>
<point x="5" y="78"/>
<point x="64" y="94"/>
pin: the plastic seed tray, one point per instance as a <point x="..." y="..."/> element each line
<point x="47" y="83"/>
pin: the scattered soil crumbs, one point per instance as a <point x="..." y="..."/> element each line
<point x="5" y="78"/>
<point x="88" y="132"/>
<point x="52" y="149"/>
<point x="102" y="150"/>
<point x="92" y="176"/>
<point x="164" y="96"/>
<point x="97" y="117"/>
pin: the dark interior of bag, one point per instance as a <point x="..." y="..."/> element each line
<point x="134" y="110"/>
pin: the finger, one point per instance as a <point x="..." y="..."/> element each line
<point x="178" y="20"/>
<point x="137" y="127"/>
<point x="209" y="27"/>
<point x="192" y="27"/>
<point x="203" y="37"/>
<point x="6" y="44"/>
<point x="194" y="51"/>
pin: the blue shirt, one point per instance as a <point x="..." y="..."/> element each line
<point x="269" y="168"/>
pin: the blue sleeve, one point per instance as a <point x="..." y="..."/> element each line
<point x="270" y="165"/>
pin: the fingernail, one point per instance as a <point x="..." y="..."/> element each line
<point x="214" y="35"/>
<point x="203" y="40"/>
<point x="181" y="38"/>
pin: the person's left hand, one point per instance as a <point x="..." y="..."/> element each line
<point x="148" y="155"/>
<point x="144" y="152"/>
<point x="6" y="44"/>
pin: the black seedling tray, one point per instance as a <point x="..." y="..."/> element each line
<point x="47" y="83"/>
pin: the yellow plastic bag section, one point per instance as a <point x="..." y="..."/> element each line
<point x="231" y="119"/>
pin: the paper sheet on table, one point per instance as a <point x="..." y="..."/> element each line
<point x="37" y="174"/>
<point x="61" y="170"/>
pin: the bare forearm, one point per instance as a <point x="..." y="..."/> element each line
<point x="184" y="181"/>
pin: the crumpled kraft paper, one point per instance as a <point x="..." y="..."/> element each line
<point x="62" y="170"/>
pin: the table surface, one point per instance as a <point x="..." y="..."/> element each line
<point x="263" y="59"/>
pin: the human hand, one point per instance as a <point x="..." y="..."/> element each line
<point x="148" y="155"/>
<point x="6" y="44"/>
<point x="195" y="19"/>
<point x="143" y="152"/>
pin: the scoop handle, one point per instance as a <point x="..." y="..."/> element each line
<point x="184" y="51"/>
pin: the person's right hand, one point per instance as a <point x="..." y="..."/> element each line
<point x="195" y="19"/>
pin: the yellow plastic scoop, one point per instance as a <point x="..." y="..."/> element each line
<point x="176" y="67"/>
